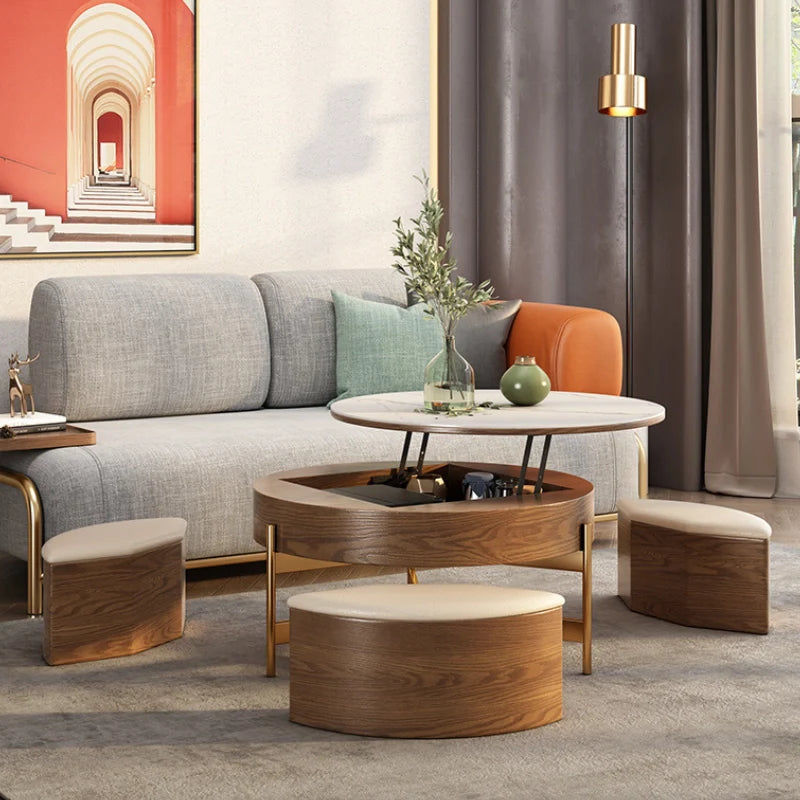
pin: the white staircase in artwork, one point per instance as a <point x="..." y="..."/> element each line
<point x="110" y="198"/>
<point x="23" y="229"/>
<point x="110" y="217"/>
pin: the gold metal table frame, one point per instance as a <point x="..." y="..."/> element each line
<point x="294" y="514"/>
<point x="575" y="630"/>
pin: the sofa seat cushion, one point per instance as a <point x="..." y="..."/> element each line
<point x="202" y="468"/>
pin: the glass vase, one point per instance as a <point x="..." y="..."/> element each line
<point x="449" y="380"/>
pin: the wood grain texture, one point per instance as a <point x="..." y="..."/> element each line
<point x="71" y="437"/>
<point x="694" y="579"/>
<point x="113" y="606"/>
<point x="314" y="523"/>
<point x="425" y="679"/>
<point x="624" y="560"/>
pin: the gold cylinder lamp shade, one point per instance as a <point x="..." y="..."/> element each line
<point x="623" y="93"/>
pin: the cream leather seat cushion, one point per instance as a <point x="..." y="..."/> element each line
<point x="113" y="539"/>
<point x="702" y="518"/>
<point x="426" y="602"/>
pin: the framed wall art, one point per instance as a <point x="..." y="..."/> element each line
<point x="97" y="133"/>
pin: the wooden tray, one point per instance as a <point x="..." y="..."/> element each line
<point x="71" y="437"/>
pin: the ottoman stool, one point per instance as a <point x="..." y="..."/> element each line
<point x="113" y="589"/>
<point x="425" y="660"/>
<point x="695" y="564"/>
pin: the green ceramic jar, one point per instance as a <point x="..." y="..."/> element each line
<point x="525" y="383"/>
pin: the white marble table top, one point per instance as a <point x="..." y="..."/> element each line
<point x="559" y="412"/>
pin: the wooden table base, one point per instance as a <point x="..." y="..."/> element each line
<point x="429" y="679"/>
<point x="295" y="514"/>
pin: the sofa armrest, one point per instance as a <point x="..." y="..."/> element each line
<point x="579" y="348"/>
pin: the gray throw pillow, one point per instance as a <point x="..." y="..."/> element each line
<point x="481" y="338"/>
<point x="385" y="348"/>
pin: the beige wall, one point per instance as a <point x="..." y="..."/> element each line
<point x="313" y="118"/>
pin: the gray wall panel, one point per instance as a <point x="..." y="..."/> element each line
<point x="551" y="186"/>
<point x="458" y="129"/>
<point x="522" y="84"/>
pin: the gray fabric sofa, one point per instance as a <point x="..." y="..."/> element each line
<point x="198" y="384"/>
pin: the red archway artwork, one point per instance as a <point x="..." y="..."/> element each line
<point x="102" y="154"/>
<point x="109" y="142"/>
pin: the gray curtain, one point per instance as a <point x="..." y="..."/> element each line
<point x="536" y="185"/>
<point x="538" y="196"/>
<point x="740" y="450"/>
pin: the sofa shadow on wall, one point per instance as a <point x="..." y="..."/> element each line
<point x="348" y="137"/>
<point x="343" y="143"/>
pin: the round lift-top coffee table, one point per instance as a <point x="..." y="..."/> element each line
<point x="340" y="512"/>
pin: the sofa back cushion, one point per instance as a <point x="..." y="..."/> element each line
<point x="302" y="327"/>
<point x="115" y="347"/>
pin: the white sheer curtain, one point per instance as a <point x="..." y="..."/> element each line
<point x="740" y="454"/>
<point x="773" y="42"/>
<point x="752" y="441"/>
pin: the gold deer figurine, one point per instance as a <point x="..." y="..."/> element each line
<point x="16" y="388"/>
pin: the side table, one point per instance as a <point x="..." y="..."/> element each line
<point x="71" y="437"/>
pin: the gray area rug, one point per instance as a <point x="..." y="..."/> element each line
<point x="670" y="712"/>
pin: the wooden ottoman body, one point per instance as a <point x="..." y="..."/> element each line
<point x="426" y="660"/>
<point x="694" y="564"/>
<point x="113" y="589"/>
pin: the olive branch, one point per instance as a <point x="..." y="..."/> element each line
<point x="427" y="267"/>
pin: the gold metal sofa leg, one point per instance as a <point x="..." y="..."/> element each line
<point x="271" y="600"/>
<point x="643" y="481"/>
<point x="643" y="468"/>
<point x="33" y="507"/>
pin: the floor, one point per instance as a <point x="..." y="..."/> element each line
<point x="782" y="515"/>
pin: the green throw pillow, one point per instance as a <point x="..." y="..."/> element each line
<point x="382" y="347"/>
